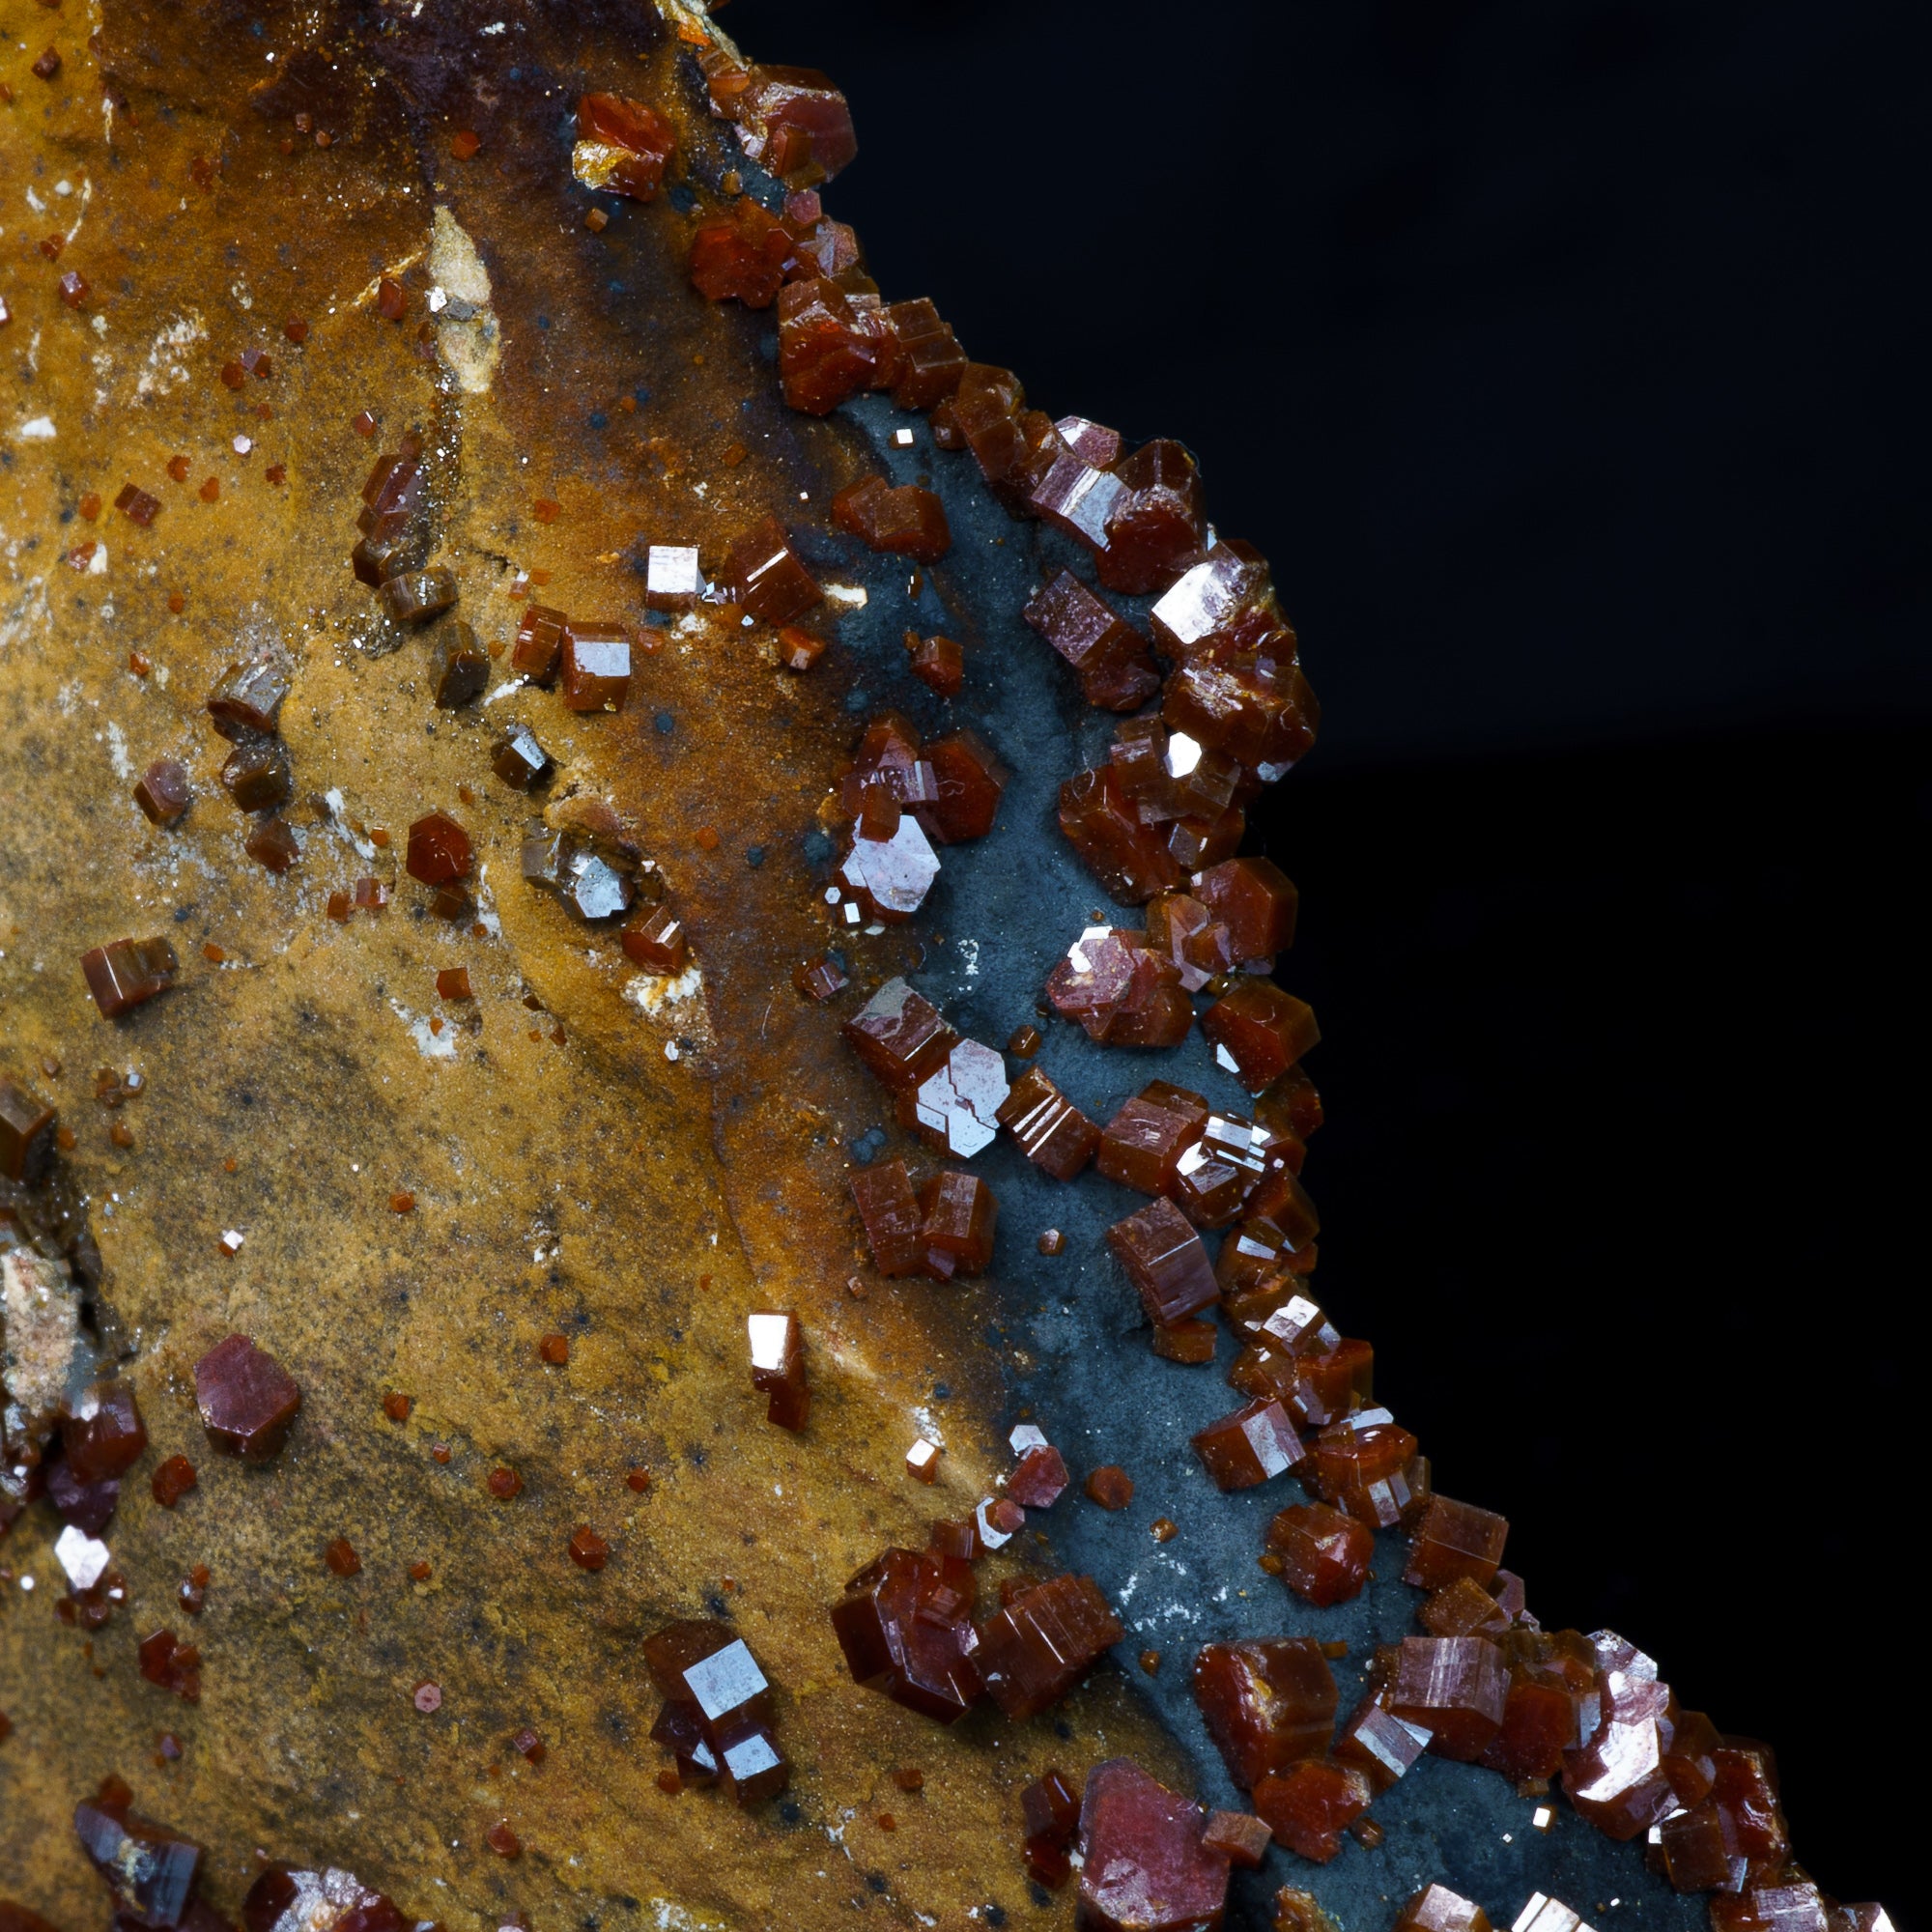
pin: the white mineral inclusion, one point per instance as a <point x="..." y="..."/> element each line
<point x="84" y="1558"/>
<point x="466" y="335"/>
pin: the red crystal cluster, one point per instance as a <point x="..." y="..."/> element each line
<point x="716" y="1711"/>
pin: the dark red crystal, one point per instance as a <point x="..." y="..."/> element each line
<point x="890" y="1212"/>
<point x="1129" y="858"/>
<point x="1053" y="1133"/>
<point x="646" y="137"/>
<point x="149" y="1871"/>
<point x="1142" y="1145"/>
<point x="1259" y="1032"/>
<point x="1382" y="1748"/>
<point x="1267" y="1704"/>
<point x="743" y="254"/>
<point x="968" y="782"/>
<point x="1453" y="1540"/>
<point x="124" y="973"/>
<point x="1309" y="1805"/>
<point x="1165" y="1260"/>
<point x="906" y="522"/>
<point x="1145" y="1867"/>
<point x="1255" y="900"/>
<point x="1120" y="993"/>
<point x="163" y="791"/>
<point x="1250" y="1446"/>
<point x="767" y="578"/>
<point x="777" y="1368"/>
<point x="1111" y="659"/>
<point x="248" y="1402"/>
<point x="438" y="850"/>
<point x="1452" y="1687"/>
<point x="958" y="1214"/>
<point x="829" y="349"/>
<point x="904" y="1631"/>
<point x="103" y="1433"/>
<point x="900" y="1035"/>
<point x="1035" y="1650"/>
<point x="1156" y="523"/>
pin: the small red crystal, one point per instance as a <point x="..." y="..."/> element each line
<point x="1109" y="656"/>
<point x="1130" y="858"/>
<point x="1437" y="1909"/>
<point x="1042" y="1477"/>
<point x="890" y="1212"/>
<point x="743" y="254"/>
<point x="767" y="578"/>
<point x="247" y="1401"/>
<point x="777" y="1368"/>
<point x="1453" y="1688"/>
<point x="1255" y="900"/>
<point x="596" y="662"/>
<point x="1119" y="992"/>
<point x="124" y="973"/>
<point x="645" y="136"/>
<point x="904" y="1631"/>
<point x="1308" y="1806"/>
<point x="1259" y="1032"/>
<point x="1053" y="1133"/>
<point x="102" y="1432"/>
<point x="163" y="791"/>
<point x="1454" y="1540"/>
<point x="958" y="1214"/>
<point x="1156" y="523"/>
<point x="1109" y="1486"/>
<point x="1142" y="1145"/>
<point x="587" y="1550"/>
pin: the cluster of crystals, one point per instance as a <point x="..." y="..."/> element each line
<point x="906" y="1628"/>
<point x="953" y="1092"/>
<point x="287" y="1899"/>
<point x="593" y="657"/>
<point x="790" y="119"/>
<point x="717" y="1712"/>
<point x="623" y="147"/>
<point x="901" y="797"/>
<point x="150" y="1872"/>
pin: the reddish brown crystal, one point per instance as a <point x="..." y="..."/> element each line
<point x="257" y="775"/>
<point x="938" y="663"/>
<point x="1308" y="1806"/>
<point x="958" y="1214"/>
<point x="742" y="255"/>
<point x="1130" y="858"/>
<point x="1053" y="1133"/>
<point x="1361" y="1462"/>
<point x="1239" y="1837"/>
<point x="920" y="358"/>
<point x="173" y="1480"/>
<point x="1037" y="1647"/>
<point x="1259" y="1032"/>
<point x="1250" y="1446"/>
<point x="1255" y="900"/>
<point x="1453" y="1540"/>
<point x="1145" y="1867"/>
<point x="903" y="1631"/>
<point x="1111" y="659"/>
<point x="890" y="1212"/>
<point x="1050" y="1810"/>
<point x="1617" y="1778"/>
<point x="656" y="940"/>
<point x="539" y="643"/>
<point x="163" y="791"/>
<point x="1156" y="523"/>
<point x="829" y="349"/>
<point x="1119" y="992"/>
<point x="248" y="1402"/>
<point x="596" y="666"/>
<point x="1165" y="1260"/>
<point x="907" y="521"/>
<point x="968" y="780"/>
<point x="1463" y="1608"/>
<point x="26" y="1133"/>
<point x="900" y="1035"/>
<point x="518" y="760"/>
<point x="1267" y="1704"/>
<point x="631" y="144"/>
<point x="1109" y="1486"/>
<point x="1437" y="1909"/>
<point x="777" y="1368"/>
<point x="440" y="850"/>
<point x="1382" y="1748"/>
<point x="767" y="578"/>
<point x="1453" y="1688"/>
<point x="795" y="124"/>
<point x="1042" y="1477"/>
<point x="1141" y="1146"/>
<point x="121" y="976"/>
<point x="103" y="1433"/>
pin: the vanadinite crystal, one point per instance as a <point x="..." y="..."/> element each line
<point x="957" y="1216"/>
<point x="122" y="975"/>
<point x="1249" y="1446"/>
<point x="900" y="1035"/>
<point x="1311" y="1804"/>
<point x="1053" y="1133"/>
<point x="1259" y="1032"/>
<point x="1451" y="1687"/>
<point x="1437" y="1909"/>
<point x="903" y="1626"/>
<point x="908" y="521"/>
<point x="1039" y="1645"/>
<point x="1453" y="1540"/>
<point x="957" y="1107"/>
<point x="438" y="850"/>
<point x="1324" y="1554"/>
<point x="1119" y="992"/>
<point x="1050" y="1809"/>
<point x="1144" y="1866"/>
<point x="1042" y="1477"/>
<point x="1165" y="1260"/>
<point x="716" y="1697"/>
<point x="777" y="1368"/>
<point x="1111" y="659"/>
<point x="103" y="1433"/>
<point x="1267" y="1703"/>
<point x="767" y="578"/>
<point x="622" y="146"/>
<point x="248" y="1402"/>
<point x="149" y="1871"/>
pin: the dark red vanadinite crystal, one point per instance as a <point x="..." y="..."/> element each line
<point x="1250" y="1446"/>
<point x="1050" y="1811"/>
<point x="103" y="1433"/>
<point x="907" y="521"/>
<point x="163" y="791"/>
<point x="777" y="1368"/>
<point x="1453" y="1688"/>
<point x="829" y="349"/>
<point x="1267" y="1703"/>
<point x="1042" y="1477"/>
<point x="638" y="139"/>
<point x="1259" y="1032"/>
<point x="1255" y="900"/>
<point x="1454" y="1540"/>
<point x="1111" y="659"/>
<point x="1324" y="1554"/>
<point x="1165" y="1260"/>
<point x="248" y="1402"/>
<point x="743" y="254"/>
<point x="1120" y="993"/>
<point x="1037" y="1647"/>
<point x="1145" y="1867"/>
<point x="1309" y="1805"/>
<point x="889" y="1214"/>
<point x="903" y="1628"/>
<point x="766" y="576"/>
<point x="438" y="850"/>
<point x="129" y="972"/>
<point x="1053" y="1133"/>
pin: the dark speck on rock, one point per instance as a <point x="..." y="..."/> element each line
<point x="681" y="197"/>
<point x="818" y="849"/>
<point x="755" y="855"/>
<point x="941" y="1391"/>
<point x="182" y="914"/>
<point x="1040" y="1893"/>
<point x="856" y="700"/>
<point x="994" y="1914"/>
<point x="876" y="1881"/>
<point x="1063" y="1731"/>
<point x="870" y="1146"/>
<point x="543" y="321"/>
<point x="663" y="721"/>
<point x="717" y="1605"/>
<point x="599" y="420"/>
<point x="790" y="1812"/>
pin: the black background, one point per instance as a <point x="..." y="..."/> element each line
<point x="1563" y="357"/>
